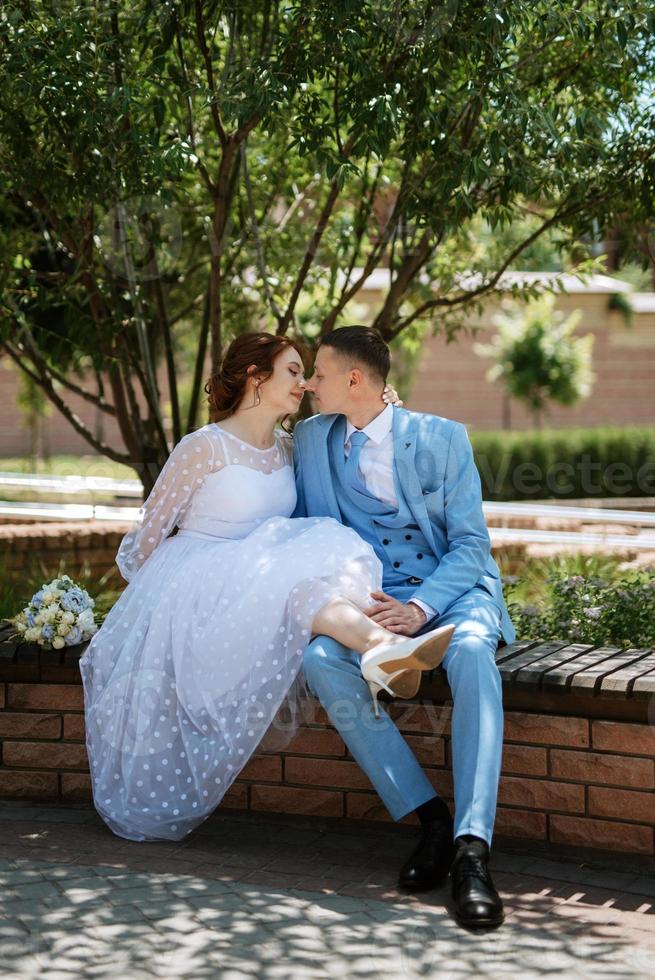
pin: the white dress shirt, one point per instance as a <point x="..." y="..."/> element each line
<point x="376" y="467"/>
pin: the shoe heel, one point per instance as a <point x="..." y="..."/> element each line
<point x="375" y="690"/>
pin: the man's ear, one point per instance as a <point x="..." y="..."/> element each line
<point x="356" y="378"/>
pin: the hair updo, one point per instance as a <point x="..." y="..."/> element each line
<point x="227" y="387"/>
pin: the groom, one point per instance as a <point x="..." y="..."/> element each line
<point x="410" y="488"/>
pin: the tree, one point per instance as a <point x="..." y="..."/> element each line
<point x="538" y="358"/>
<point x="177" y="171"/>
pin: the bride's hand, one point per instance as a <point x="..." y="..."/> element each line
<point x="390" y="396"/>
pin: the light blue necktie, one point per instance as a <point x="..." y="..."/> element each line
<point x="357" y="441"/>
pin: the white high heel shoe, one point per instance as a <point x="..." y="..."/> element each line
<point x="401" y="663"/>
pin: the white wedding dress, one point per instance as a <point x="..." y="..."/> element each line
<point x="201" y="655"/>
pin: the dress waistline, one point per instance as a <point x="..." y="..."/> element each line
<point x="210" y="527"/>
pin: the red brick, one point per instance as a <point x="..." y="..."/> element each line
<point x="54" y="697"/>
<point x="317" y="741"/>
<point x="622" y="803"/>
<point x="320" y="716"/>
<point x="29" y="725"/>
<point x="597" y="767"/>
<point x="605" y="834"/>
<point x="546" y="729"/>
<point x="45" y="755"/>
<point x="267" y="768"/>
<point x="30" y="784"/>
<point x="530" y="760"/>
<point x="74" y="729"/>
<point x="541" y="794"/>
<point x="290" y="799"/>
<point x="442" y="780"/>
<point x="76" y="786"/>
<point x="616" y="736"/>
<point x="236" y="797"/>
<point x="520" y="823"/>
<point x="369" y="806"/>
<point x="431" y="719"/>
<point x="325" y="772"/>
<point x="429" y="750"/>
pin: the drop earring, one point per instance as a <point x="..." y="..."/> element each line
<point x="257" y="396"/>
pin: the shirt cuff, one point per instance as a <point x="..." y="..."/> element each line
<point x="428" y="610"/>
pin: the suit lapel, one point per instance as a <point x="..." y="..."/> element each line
<point x="323" y="475"/>
<point x="405" y="434"/>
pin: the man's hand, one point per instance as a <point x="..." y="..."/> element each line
<point x="395" y="616"/>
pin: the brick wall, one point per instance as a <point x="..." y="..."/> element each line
<point x="451" y="378"/>
<point x="566" y="779"/>
<point x="93" y="543"/>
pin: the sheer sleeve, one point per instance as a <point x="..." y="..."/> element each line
<point x="285" y="442"/>
<point x="194" y="457"/>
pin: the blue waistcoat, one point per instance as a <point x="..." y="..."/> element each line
<point x="406" y="556"/>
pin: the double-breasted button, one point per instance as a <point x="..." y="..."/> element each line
<point x="386" y="541"/>
<point x="408" y="537"/>
<point x="419" y="555"/>
<point x="396" y="564"/>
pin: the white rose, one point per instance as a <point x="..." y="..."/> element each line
<point x="58" y="643"/>
<point x="38" y="619"/>
<point x="63" y="629"/>
<point x="21" y="627"/>
<point x="85" y="619"/>
<point x="68" y="617"/>
<point x="32" y="633"/>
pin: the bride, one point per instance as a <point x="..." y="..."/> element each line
<point x="201" y="654"/>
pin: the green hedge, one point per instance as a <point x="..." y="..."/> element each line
<point x="566" y="463"/>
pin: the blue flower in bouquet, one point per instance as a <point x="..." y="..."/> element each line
<point x="37" y="599"/>
<point x="29" y="618"/>
<point x="75" y="600"/>
<point x="73" y="636"/>
<point x="47" y="631"/>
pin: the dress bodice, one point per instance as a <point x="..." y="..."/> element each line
<point x="212" y="483"/>
<point x="235" y="499"/>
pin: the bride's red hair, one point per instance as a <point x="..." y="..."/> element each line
<point x="226" y="388"/>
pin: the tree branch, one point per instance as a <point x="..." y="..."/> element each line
<point x="204" y="173"/>
<point x="209" y="72"/>
<point x="261" y="261"/>
<point x="410" y="267"/>
<point x="199" y="365"/>
<point x="39" y="359"/>
<point x="171" y="374"/>
<point x="46" y="384"/>
<point x="312" y="248"/>
<point x="466" y="296"/>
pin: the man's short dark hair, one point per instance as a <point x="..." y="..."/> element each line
<point x="363" y="345"/>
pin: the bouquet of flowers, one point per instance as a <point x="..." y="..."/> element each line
<point x="60" y="614"/>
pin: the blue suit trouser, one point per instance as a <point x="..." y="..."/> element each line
<point x="333" y="674"/>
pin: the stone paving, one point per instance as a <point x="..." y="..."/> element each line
<point x="274" y="896"/>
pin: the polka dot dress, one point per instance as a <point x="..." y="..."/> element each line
<point x="201" y="655"/>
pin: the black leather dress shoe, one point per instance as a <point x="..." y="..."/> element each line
<point x="429" y="863"/>
<point x="477" y="903"/>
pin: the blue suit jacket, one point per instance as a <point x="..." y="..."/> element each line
<point x="434" y="465"/>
